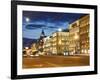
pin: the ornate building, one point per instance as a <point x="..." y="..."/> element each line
<point x="40" y="42"/>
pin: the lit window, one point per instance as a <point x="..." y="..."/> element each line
<point x="82" y="51"/>
<point x="85" y="51"/>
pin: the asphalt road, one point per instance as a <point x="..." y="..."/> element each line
<point x="54" y="61"/>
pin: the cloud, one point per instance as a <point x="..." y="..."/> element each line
<point x="34" y="26"/>
<point x="37" y="25"/>
<point x="45" y="25"/>
<point x="52" y="27"/>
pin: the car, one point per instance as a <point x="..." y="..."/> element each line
<point x="66" y="53"/>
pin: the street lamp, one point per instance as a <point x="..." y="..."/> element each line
<point x="59" y="41"/>
<point x="59" y="29"/>
<point x="76" y="37"/>
<point x="26" y="48"/>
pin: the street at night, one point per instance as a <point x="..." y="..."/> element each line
<point x="55" y="61"/>
<point x="52" y="39"/>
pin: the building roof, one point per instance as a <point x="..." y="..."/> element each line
<point x="65" y="30"/>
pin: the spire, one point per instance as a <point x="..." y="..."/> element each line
<point x="41" y="40"/>
<point x="42" y="33"/>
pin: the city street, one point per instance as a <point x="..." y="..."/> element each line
<point x="55" y="61"/>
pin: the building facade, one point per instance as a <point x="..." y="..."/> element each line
<point x="47" y="46"/>
<point x="57" y="43"/>
<point x="74" y="37"/>
<point x="62" y="42"/>
<point x="75" y="41"/>
<point x="84" y="34"/>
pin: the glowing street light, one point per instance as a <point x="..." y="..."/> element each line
<point x="59" y="29"/>
<point x="26" y="47"/>
<point x="60" y="42"/>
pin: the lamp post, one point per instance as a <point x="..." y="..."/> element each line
<point x="59" y="40"/>
<point x="76" y="37"/>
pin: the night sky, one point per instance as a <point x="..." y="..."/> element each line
<point x="34" y="22"/>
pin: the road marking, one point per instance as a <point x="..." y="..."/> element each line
<point x="52" y="64"/>
<point x="38" y="65"/>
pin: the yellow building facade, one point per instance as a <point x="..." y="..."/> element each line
<point x="79" y="36"/>
<point x="47" y="45"/>
<point x="75" y="41"/>
<point x="84" y="34"/>
<point x="60" y="41"/>
<point x="74" y="37"/>
<point x="57" y="44"/>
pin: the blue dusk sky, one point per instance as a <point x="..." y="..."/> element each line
<point x="34" y="22"/>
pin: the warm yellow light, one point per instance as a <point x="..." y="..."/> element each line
<point x="76" y="36"/>
<point x="85" y="51"/>
<point x="82" y="51"/>
<point x="88" y="51"/>
<point x="59" y="41"/>
<point x="26" y="47"/>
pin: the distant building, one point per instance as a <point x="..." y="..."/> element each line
<point x="33" y="48"/>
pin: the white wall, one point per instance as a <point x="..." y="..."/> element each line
<point x="5" y="29"/>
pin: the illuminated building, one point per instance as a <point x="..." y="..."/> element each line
<point x="57" y="43"/>
<point x="79" y="36"/>
<point x="84" y="34"/>
<point x="74" y="44"/>
<point x="33" y="48"/>
<point x="47" y="45"/>
<point x="75" y="41"/>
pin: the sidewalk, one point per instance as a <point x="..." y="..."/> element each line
<point x="83" y="54"/>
